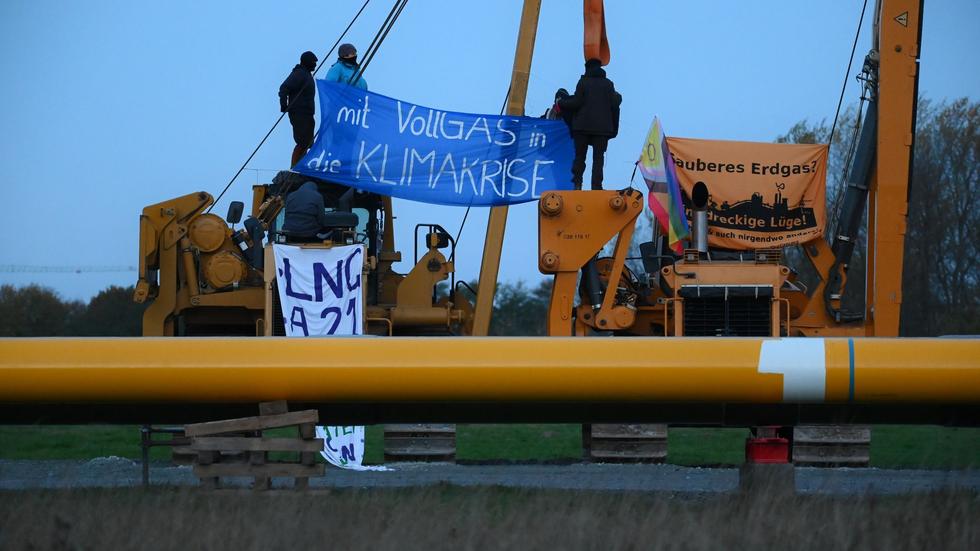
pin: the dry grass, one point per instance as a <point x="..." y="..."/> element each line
<point x="445" y="517"/>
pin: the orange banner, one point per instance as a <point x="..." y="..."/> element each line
<point x="763" y="195"/>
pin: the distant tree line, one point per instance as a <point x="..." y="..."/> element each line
<point x="941" y="275"/>
<point x="35" y="311"/>
<point x="941" y="285"/>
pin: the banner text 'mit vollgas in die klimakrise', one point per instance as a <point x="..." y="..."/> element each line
<point x="383" y="145"/>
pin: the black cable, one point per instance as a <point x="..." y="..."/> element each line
<point x="461" y="226"/>
<point x="465" y="215"/>
<point x="384" y="24"/>
<point x="840" y="101"/>
<point x="281" y="115"/>
<point x="376" y="41"/>
<point x="379" y="39"/>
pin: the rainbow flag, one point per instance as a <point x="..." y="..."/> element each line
<point x="657" y="167"/>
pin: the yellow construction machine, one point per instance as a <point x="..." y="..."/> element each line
<point x="202" y="275"/>
<point x="751" y="293"/>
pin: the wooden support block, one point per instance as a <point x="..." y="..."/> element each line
<point x="273" y="408"/>
<point x="832" y="454"/>
<point x="832" y="445"/>
<point x="261" y="482"/>
<point x="264" y="444"/>
<point x="308" y="431"/>
<point x="633" y="443"/>
<point x="420" y="442"/>
<point x="832" y="434"/>
<point x="253" y="423"/>
<point x="267" y="470"/>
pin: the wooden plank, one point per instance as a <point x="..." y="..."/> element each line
<point x="420" y="445"/>
<point x="182" y="455"/>
<point x="263" y="444"/>
<point x="267" y="470"/>
<point x="434" y="458"/>
<point x="410" y="450"/>
<point x="628" y="456"/>
<point x="653" y="449"/>
<point x="252" y="423"/>
<point x="420" y="428"/>
<point x="629" y="431"/>
<point x="832" y="434"/>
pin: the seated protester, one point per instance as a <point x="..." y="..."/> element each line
<point x="345" y="68"/>
<point x="305" y="215"/>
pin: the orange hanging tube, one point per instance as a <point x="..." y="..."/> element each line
<point x="596" y="43"/>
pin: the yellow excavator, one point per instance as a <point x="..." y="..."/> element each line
<point x="202" y="275"/>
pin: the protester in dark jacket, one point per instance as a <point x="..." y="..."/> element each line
<point x="296" y="98"/>
<point x="595" y="120"/>
<point x="305" y="215"/>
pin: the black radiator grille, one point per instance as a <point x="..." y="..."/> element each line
<point x="727" y="311"/>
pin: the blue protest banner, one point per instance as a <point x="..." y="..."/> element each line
<point x="387" y="146"/>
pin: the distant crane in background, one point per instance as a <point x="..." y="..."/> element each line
<point x="27" y="268"/>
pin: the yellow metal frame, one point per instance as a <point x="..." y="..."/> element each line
<point x="497" y="223"/>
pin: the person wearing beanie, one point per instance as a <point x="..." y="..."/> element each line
<point x="595" y="120"/>
<point x="296" y="98"/>
<point x="555" y="112"/>
<point x="346" y="67"/>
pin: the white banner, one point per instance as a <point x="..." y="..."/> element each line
<point x="344" y="447"/>
<point x="320" y="289"/>
<point x="320" y="292"/>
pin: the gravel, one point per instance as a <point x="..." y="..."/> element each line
<point x="105" y="472"/>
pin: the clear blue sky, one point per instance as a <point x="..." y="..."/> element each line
<point x="109" y="106"/>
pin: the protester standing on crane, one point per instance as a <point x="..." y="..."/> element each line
<point x="296" y="98"/>
<point x="595" y="121"/>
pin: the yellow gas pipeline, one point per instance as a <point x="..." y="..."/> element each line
<point x="749" y="370"/>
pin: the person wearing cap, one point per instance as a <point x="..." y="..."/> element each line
<point x="346" y="67"/>
<point x="595" y="120"/>
<point x="296" y="98"/>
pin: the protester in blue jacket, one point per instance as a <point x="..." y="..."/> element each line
<point x="345" y="67"/>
